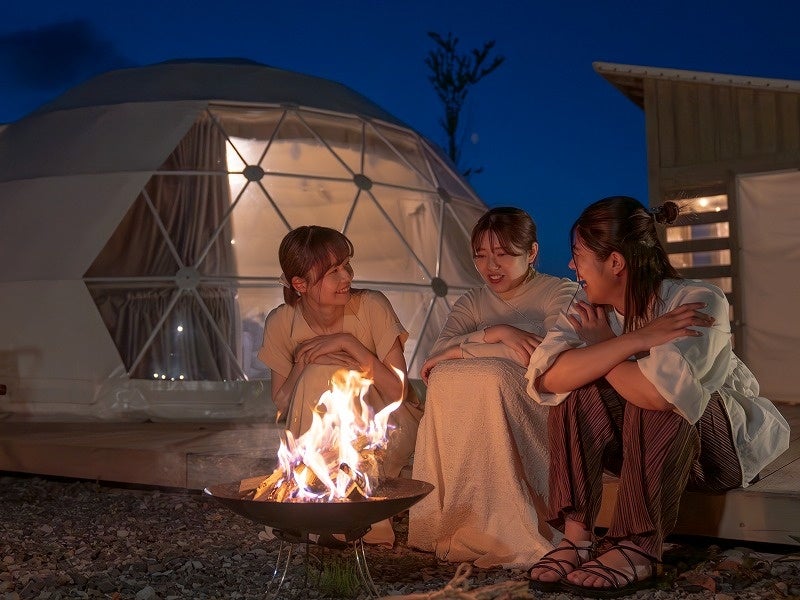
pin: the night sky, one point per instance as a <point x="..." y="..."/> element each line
<point x="550" y="134"/>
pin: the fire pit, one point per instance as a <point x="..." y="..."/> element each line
<point x="346" y="517"/>
<point x="328" y="480"/>
<point x="303" y="521"/>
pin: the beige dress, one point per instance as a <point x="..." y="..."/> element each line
<point x="483" y="441"/>
<point x="370" y="318"/>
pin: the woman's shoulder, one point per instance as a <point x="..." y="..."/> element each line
<point x="552" y="282"/>
<point x="675" y="292"/>
<point x="365" y="299"/>
<point x="280" y="312"/>
<point x="549" y="290"/>
<point x="279" y="320"/>
<point x="367" y="295"/>
<point x="684" y="289"/>
<point x="475" y="297"/>
<point x="281" y="309"/>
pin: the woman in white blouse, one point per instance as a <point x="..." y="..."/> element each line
<point x="642" y="381"/>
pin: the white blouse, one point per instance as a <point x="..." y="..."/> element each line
<point x="686" y="371"/>
<point x="533" y="306"/>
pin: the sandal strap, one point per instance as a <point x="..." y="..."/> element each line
<point x="654" y="563"/>
<point x="609" y="574"/>
<point x="613" y="575"/>
<point x="557" y="564"/>
<point x="552" y="564"/>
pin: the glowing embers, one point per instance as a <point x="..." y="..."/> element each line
<point x="339" y="457"/>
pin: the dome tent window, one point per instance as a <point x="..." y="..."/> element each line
<point x="219" y="205"/>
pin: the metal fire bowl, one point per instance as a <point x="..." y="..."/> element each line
<point x="390" y="498"/>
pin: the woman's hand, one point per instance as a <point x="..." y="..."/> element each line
<point x="435" y="359"/>
<point x="672" y="325"/>
<point x="521" y="342"/>
<point x="332" y="349"/>
<point x="339" y="359"/>
<point x="591" y="323"/>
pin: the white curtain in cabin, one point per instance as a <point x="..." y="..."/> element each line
<point x="768" y="206"/>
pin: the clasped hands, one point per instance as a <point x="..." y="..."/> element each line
<point x="522" y="344"/>
<point x="339" y="349"/>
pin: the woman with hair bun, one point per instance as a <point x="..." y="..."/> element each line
<point x="641" y="380"/>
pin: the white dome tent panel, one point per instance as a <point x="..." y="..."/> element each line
<point x="298" y="150"/>
<point x="53" y="314"/>
<point x="54" y="227"/>
<point x="181" y="257"/>
<point x="388" y="257"/>
<point x="104" y="139"/>
<point x="257" y="226"/>
<point x="395" y="158"/>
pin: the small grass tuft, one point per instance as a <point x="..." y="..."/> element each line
<point x="338" y="578"/>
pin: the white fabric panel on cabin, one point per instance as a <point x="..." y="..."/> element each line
<point x="769" y="276"/>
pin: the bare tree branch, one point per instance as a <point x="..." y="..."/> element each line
<point x="452" y="76"/>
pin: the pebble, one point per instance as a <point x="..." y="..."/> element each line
<point x="146" y="593"/>
<point x="171" y="545"/>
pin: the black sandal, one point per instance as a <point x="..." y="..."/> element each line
<point x="620" y="583"/>
<point x="557" y="565"/>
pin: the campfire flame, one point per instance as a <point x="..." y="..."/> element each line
<point x="339" y="456"/>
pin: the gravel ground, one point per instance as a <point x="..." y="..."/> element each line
<point x="74" y="539"/>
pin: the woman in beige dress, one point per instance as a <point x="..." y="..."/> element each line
<point x="325" y="325"/>
<point x="483" y="441"/>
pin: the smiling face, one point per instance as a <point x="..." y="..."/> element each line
<point x="501" y="270"/>
<point x="333" y="288"/>
<point x="602" y="280"/>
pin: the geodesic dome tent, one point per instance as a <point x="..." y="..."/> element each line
<point x="140" y="217"/>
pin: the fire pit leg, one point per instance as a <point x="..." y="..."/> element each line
<point x="363" y="568"/>
<point x="280" y="570"/>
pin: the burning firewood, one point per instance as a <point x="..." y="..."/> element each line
<point x="338" y="457"/>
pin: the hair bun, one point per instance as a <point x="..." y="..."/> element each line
<point x="667" y="213"/>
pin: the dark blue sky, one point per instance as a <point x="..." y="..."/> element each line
<point x="550" y="133"/>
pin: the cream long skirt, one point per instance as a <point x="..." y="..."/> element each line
<point x="482" y="443"/>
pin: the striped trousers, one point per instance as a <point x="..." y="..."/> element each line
<point x="656" y="454"/>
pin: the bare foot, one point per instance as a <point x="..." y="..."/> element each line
<point x="631" y="565"/>
<point x="559" y="562"/>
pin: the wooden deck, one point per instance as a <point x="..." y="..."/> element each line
<point x="194" y="455"/>
<point x="766" y="511"/>
<point x="175" y="455"/>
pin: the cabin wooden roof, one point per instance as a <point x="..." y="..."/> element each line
<point x="629" y="79"/>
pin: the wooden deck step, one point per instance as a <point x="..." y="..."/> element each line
<point x="181" y="455"/>
<point x="195" y="455"/>
<point x="766" y="511"/>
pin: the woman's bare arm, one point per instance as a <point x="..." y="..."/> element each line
<point x="577" y="367"/>
<point x="384" y="378"/>
<point x="283" y="387"/>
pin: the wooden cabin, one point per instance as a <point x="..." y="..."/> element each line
<point x="728" y="147"/>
